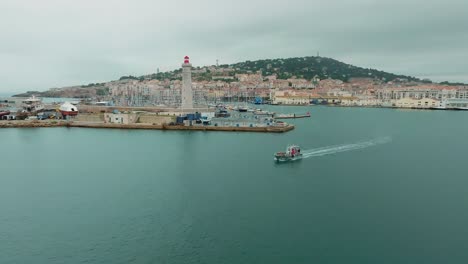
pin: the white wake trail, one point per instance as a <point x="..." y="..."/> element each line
<point x="343" y="148"/>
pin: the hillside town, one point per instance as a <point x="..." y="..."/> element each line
<point x="363" y="92"/>
<point x="214" y="84"/>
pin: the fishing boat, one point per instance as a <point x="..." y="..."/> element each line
<point x="242" y="108"/>
<point x="222" y="113"/>
<point x="32" y="105"/>
<point x="292" y="116"/>
<point x="262" y="112"/>
<point x="4" y="113"/>
<point x="68" y="109"/>
<point x="292" y="153"/>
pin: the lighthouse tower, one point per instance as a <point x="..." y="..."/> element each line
<point x="187" y="95"/>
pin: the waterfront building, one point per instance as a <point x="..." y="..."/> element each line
<point x="462" y="94"/>
<point x="292" y="100"/>
<point x="416" y="103"/>
<point x="418" y="92"/>
<point x="458" y="104"/>
<point x="349" y="101"/>
<point x="291" y="97"/>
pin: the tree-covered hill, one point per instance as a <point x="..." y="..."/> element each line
<point x="309" y="67"/>
<point x="303" y="67"/>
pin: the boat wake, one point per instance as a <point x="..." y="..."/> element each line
<point x="343" y="148"/>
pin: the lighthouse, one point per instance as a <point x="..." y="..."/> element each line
<point x="187" y="95"/>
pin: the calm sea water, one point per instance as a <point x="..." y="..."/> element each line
<point x="394" y="190"/>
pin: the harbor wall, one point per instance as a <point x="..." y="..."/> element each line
<point x="185" y="128"/>
<point x="32" y="124"/>
<point x="47" y="123"/>
<point x="90" y="117"/>
<point x="148" y="118"/>
<point x="156" y="119"/>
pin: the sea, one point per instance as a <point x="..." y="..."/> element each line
<point x="375" y="186"/>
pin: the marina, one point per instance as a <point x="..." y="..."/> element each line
<point x="188" y="116"/>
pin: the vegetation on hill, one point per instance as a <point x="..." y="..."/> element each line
<point x="320" y="67"/>
<point x="304" y="67"/>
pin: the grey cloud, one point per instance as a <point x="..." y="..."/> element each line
<point x="57" y="43"/>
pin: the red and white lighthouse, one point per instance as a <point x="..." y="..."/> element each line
<point x="187" y="94"/>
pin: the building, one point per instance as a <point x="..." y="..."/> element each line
<point x="291" y="97"/>
<point x="120" y="118"/>
<point x="459" y="104"/>
<point x="417" y="103"/>
<point x="187" y="94"/>
<point x="419" y="92"/>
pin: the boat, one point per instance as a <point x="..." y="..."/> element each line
<point x="222" y="113"/>
<point x="438" y="108"/>
<point x="261" y="112"/>
<point x="258" y="100"/>
<point x="32" y="105"/>
<point x="242" y="109"/>
<point x="292" y="153"/>
<point x="220" y="106"/>
<point x="103" y="103"/>
<point x="68" y="109"/>
<point x="4" y="113"/>
<point x="292" y="116"/>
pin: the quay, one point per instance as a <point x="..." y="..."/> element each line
<point x="148" y="126"/>
<point x="188" y="117"/>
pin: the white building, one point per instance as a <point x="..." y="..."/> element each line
<point x="417" y="93"/>
<point x="120" y="118"/>
<point x="417" y="103"/>
<point x="460" y="104"/>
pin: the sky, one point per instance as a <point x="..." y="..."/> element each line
<point x="56" y="43"/>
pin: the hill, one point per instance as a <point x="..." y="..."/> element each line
<point x="309" y="67"/>
<point x="302" y="67"/>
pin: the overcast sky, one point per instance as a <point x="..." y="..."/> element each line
<point x="53" y="43"/>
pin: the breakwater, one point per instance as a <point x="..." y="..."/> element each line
<point x="47" y="123"/>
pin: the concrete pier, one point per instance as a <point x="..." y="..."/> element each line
<point x="52" y="123"/>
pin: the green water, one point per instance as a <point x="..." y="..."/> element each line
<point x="70" y="195"/>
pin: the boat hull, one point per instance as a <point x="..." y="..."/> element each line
<point x="287" y="158"/>
<point x="292" y="117"/>
<point x="69" y="113"/>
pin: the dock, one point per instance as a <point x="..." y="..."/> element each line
<point x="292" y="116"/>
<point x="78" y="124"/>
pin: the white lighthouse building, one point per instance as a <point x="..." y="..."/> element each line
<point x="187" y="94"/>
